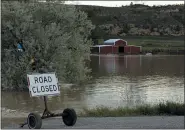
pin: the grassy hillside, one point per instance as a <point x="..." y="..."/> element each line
<point x="136" y="20"/>
<point x="156" y="29"/>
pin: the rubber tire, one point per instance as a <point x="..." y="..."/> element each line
<point x="37" y="119"/>
<point x="70" y="118"/>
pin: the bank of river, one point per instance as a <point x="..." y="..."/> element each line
<point x="118" y="81"/>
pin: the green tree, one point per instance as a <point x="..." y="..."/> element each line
<point x="97" y="33"/>
<point x="126" y="28"/>
<point x="55" y="34"/>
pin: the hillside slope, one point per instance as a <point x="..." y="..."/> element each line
<point x="136" y="20"/>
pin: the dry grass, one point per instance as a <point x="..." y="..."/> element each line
<point x="168" y="108"/>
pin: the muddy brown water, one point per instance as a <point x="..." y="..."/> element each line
<point x="117" y="81"/>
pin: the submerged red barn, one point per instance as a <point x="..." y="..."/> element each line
<point x="116" y="46"/>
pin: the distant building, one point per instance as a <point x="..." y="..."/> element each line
<point x="116" y="46"/>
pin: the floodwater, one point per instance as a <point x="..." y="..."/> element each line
<point x="117" y="81"/>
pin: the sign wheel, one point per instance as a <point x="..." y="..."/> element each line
<point x="34" y="121"/>
<point x="69" y="116"/>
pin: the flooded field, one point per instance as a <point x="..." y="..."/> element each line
<point x="117" y="81"/>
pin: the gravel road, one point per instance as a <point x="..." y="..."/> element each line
<point x="147" y="122"/>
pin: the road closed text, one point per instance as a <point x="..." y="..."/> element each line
<point x="43" y="79"/>
<point x="43" y="84"/>
<point x="47" y="88"/>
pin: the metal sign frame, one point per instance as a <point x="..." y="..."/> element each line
<point x="46" y="113"/>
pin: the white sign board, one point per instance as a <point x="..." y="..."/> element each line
<point x="43" y="84"/>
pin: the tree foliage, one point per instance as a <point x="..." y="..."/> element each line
<point x="141" y="16"/>
<point x="55" y="34"/>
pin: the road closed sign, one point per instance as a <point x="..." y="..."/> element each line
<point x="43" y="84"/>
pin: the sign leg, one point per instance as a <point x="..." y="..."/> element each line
<point x="45" y="103"/>
<point x="22" y="125"/>
<point x="46" y="112"/>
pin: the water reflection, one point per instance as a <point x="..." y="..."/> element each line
<point x="117" y="81"/>
<point x="138" y="65"/>
<point x="23" y="102"/>
<point x="127" y="92"/>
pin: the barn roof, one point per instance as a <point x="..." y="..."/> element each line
<point x="101" y="45"/>
<point x="112" y="41"/>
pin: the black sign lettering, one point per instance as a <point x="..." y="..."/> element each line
<point x="33" y="89"/>
<point x="47" y="88"/>
<point x="36" y="80"/>
<point x="50" y="87"/>
<point x="44" y="85"/>
<point x="40" y="79"/>
<point x="58" y="87"/>
<point x="45" y="80"/>
<point x="54" y="88"/>
<point x="38" y="90"/>
<point x="49" y="79"/>
<point x="42" y="89"/>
